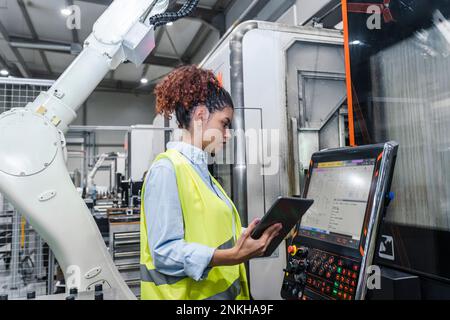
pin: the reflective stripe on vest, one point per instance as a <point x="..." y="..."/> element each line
<point x="160" y="279"/>
<point x="208" y="221"/>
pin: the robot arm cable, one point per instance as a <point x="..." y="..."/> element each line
<point x="164" y="18"/>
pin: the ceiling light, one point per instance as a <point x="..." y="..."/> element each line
<point x="356" y="42"/>
<point x="144" y="80"/>
<point x="66" y="12"/>
<point x="169" y="24"/>
<point x="4" y="72"/>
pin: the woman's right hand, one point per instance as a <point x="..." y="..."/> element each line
<point x="247" y="248"/>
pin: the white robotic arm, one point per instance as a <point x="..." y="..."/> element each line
<point x="120" y="34"/>
<point x="33" y="173"/>
<point x="98" y="164"/>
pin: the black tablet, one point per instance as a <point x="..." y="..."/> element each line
<point x="287" y="211"/>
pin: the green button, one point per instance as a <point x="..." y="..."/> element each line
<point x="336" y="284"/>
<point x="335" y="292"/>
<point x="339" y="269"/>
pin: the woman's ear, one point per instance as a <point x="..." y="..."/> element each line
<point x="201" y="113"/>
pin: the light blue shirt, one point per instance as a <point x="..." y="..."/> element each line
<point x="171" y="254"/>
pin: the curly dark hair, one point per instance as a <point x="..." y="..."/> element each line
<point x="187" y="87"/>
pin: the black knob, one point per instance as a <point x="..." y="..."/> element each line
<point x="99" y="296"/>
<point x="98" y="287"/>
<point x="73" y="291"/>
<point x="291" y="266"/>
<point x="303" y="264"/>
<point x="3" y="297"/>
<point x="298" y="266"/>
<point x="71" y="297"/>
<point x="302" y="252"/>
<point x="294" y="292"/>
<point x="300" y="278"/>
<point x="31" y="295"/>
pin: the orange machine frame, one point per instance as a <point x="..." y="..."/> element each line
<point x="348" y="76"/>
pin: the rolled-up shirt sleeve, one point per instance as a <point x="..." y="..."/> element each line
<point x="171" y="254"/>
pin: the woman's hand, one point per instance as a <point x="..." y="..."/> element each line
<point x="248" y="248"/>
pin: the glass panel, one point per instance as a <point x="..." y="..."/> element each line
<point x="400" y="63"/>
<point x="412" y="105"/>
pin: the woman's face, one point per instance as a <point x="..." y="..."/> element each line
<point x="216" y="130"/>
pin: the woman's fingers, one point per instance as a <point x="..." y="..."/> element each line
<point x="270" y="234"/>
<point x="271" y="230"/>
<point x="259" y="246"/>
<point x="275" y="233"/>
<point x="248" y="231"/>
<point x="269" y="240"/>
<point x="252" y="226"/>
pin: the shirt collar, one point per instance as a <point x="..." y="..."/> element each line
<point x="194" y="154"/>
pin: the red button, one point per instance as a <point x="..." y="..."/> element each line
<point x="344" y="272"/>
<point x="345" y="296"/>
<point x="340" y="263"/>
<point x="355" y="268"/>
<point x="292" y="250"/>
<point x="353" y="283"/>
<point x="351" y="290"/>
<point x="328" y="275"/>
<point x="345" y="288"/>
<point x="354" y="275"/>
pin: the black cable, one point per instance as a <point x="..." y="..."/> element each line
<point x="164" y="18"/>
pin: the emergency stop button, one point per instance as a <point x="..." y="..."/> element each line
<point x="292" y="250"/>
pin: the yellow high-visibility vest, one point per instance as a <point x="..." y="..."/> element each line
<point x="208" y="221"/>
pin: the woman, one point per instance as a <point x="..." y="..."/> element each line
<point x="192" y="243"/>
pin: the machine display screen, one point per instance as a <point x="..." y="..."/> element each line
<point x="340" y="190"/>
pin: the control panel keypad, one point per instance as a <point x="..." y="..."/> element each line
<point x="329" y="275"/>
<point x="333" y="275"/>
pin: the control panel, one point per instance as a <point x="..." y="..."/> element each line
<point x="313" y="273"/>
<point x="334" y="243"/>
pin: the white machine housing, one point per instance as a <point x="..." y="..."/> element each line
<point x="291" y="82"/>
